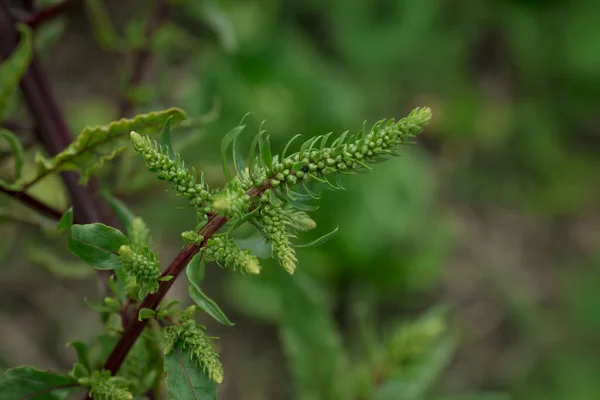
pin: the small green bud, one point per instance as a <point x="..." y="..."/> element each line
<point x="138" y="142"/>
<point x="192" y="237"/>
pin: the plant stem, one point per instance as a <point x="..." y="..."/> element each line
<point x="135" y="327"/>
<point x="33" y="203"/>
<point x="52" y="130"/>
<point x="39" y="18"/>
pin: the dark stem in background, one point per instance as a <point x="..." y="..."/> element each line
<point x="33" y="203"/>
<point x="36" y="19"/>
<point x="52" y="129"/>
<point x="141" y="57"/>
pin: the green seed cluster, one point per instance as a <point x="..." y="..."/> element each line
<point x="225" y="252"/>
<point x="358" y="152"/>
<point x="138" y="233"/>
<point x="104" y="387"/>
<point x="143" y="265"/>
<point x="191" y="336"/>
<point x="231" y="201"/>
<point x="173" y="171"/>
<point x="274" y="220"/>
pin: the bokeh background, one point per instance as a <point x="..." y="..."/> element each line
<point x="493" y="216"/>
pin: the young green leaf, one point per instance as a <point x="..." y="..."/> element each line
<point x="319" y="241"/>
<point x="66" y="221"/>
<point x="288" y="144"/>
<point x="165" y="137"/>
<point x="17" y="150"/>
<point x="121" y="210"/>
<point x="225" y="142"/>
<point x="79" y="371"/>
<point x="146" y="313"/>
<point x="82" y="353"/>
<point x="97" y="244"/>
<point x="238" y="157"/>
<point x="208" y="305"/>
<point x="252" y="153"/>
<point x="195" y="269"/>
<point x="264" y="147"/>
<point x="117" y="282"/>
<point x="15" y="66"/>
<point x="185" y="381"/>
<point x="95" y="145"/>
<point x="23" y="383"/>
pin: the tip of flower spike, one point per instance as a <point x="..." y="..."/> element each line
<point x="136" y="139"/>
<point x="217" y="378"/>
<point x="420" y="116"/>
<point x="289" y="267"/>
<point x="252" y="266"/>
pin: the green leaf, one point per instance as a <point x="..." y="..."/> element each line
<point x="195" y="274"/>
<point x="195" y="269"/>
<point x="320" y="240"/>
<point x="17" y="149"/>
<point x="238" y="157"/>
<point x="123" y="212"/>
<point x="287" y="146"/>
<point x="24" y="383"/>
<point x="96" y="145"/>
<point x="66" y="221"/>
<point x="97" y="245"/>
<point x="146" y="313"/>
<point x="185" y="381"/>
<point x="14" y="67"/>
<point x="225" y="142"/>
<point x="165" y="137"/>
<point x="102" y="27"/>
<point x="208" y="305"/>
<point x="82" y="353"/>
<point x="79" y="371"/>
<point x="116" y="284"/>
<point x="264" y="148"/>
<point x="252" y="153"/>
<point x="304" y="342"/>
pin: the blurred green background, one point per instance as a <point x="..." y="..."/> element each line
<point x="494" y="214"/>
